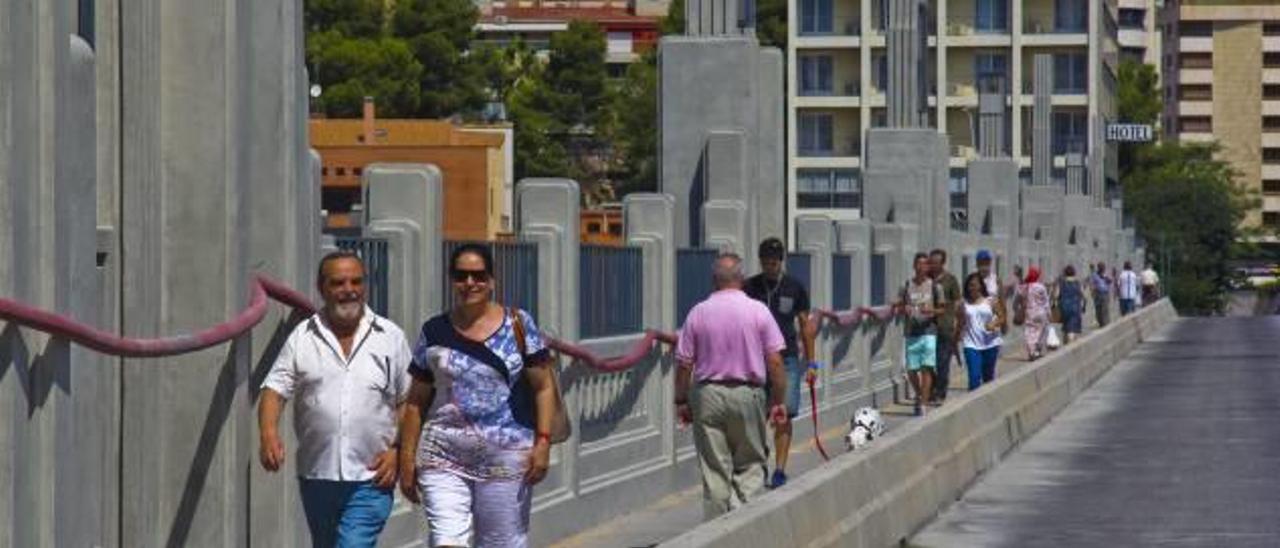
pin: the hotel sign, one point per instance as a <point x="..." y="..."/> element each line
<point x="1129" y="133"/>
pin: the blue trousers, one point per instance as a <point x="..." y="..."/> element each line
<point x="1126" y="307"/>
<point x="345" y="514"/>
<point x="981" y="365"/>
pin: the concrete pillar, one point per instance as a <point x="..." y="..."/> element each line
<point x="907" y="50"/>
<point x="211" y="152"/>
<point x="1042" y="120"/>
<point x="717" y="18"/>
<point x="404" y="203"/>
<point x="815" y="236"/>
<point x="1076" y="174"/>
<point x="850" y="360"/>
<point x="889" y="241"/>
<point x="548" y="215"/>
<point x="991" y="118"/>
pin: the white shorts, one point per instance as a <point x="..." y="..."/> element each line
<point x="498" y="510"/>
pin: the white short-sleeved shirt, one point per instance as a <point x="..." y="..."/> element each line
<point x="1129" y="285"/>
<point x="344" y="410"/>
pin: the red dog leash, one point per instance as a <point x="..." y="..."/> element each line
<point x="813" y="406"/>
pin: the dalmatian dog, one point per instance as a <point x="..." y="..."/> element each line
<point x="865" y="426"/>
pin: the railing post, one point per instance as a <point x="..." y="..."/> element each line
<point x="649" y="220"/>
<point x="854" y="238"/>
<point x="404" y="204"/>
<point x="814" y="236"/>
<point x="547" y="211"/>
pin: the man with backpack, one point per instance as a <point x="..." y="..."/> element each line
<point x="922" y="301"/>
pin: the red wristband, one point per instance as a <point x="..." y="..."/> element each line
<point x="542" y="436"/>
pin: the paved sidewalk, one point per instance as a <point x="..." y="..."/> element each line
<point x="682" y="511"/>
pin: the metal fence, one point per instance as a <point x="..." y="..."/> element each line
<point x="800" y="267"/>
<point x="373" y="251"/>
<point x="610" y="291"/>
<point x="693" y="278"/>
<point x="515" y="267"/>
<point x="841" y="281"/>
<point x="878" y="279"/>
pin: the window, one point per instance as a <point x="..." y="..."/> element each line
<point x="1132" y="18"/>
<point x="1271" y="155"/>
<point x="1196" y="92"/>
<point x="816" y="75"/>
<point x="815" y="17"/>
<point x="880" y="71"/>
<point x="1271" y="124"/>
<point x="357" y="171"/>
<point x="816" y="134"/>
<point x="324" y="170"/>
<point x="1195" y="124"/>
<point x="1196" y="60"/>
<point x="1271" y="219"/>
<point x="340" y="171"/>
<point x="1070" y="72"/>
<point x="1201" y="29"/>
<point x="987" y="65"/>
<point x="879" y="117"/>
<point x="1271" y="186"/>
<point x="1271" y="29"/>
<point x="593" y="228"/>
<point x="828" y="189"/>
<point x="1271" y="91"/>
<point x="1070" y="16"/>
<point x="615" y="229"/>
<point x="991" y="15"/>
<point x="1271" y="59"/>
<point x="1069" y="131"/>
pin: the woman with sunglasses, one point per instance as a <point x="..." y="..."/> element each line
<point x="488" y="441"/>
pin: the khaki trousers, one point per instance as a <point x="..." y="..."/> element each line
<point x="729" y="427"/>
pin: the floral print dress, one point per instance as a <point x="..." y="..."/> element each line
<point x="473" y="429"/>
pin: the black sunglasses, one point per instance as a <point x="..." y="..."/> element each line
<point x="461" y="276"/>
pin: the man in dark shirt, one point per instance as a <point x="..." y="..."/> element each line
<point x="948" y="324"/>
<point x="788" y="301"/>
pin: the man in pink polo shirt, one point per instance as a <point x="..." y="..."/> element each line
<point x="724" y="346"/>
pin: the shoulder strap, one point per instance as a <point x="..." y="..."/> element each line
<point x="517" y="327"/>
<point x="439" y="331"/>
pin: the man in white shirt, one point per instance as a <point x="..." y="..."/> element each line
<point x="348" y="371"/>
<point x="1129" y="287"/>
<point x="1150" y="283"/>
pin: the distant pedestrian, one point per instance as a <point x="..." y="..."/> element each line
<point x="948" y="323"/>
<point x="488" y="439"/>
<point x="346" y="369"/>
<point x="1150" y="286"/>
<point x="1013" y="285"/>
<point x="1036" y="310"/>
<point x="1128" y="286"/>
<point x="923" y="301"/>
<point x="995" y="289"/>
<point x="729" y="347"/>
<point x="1069" y="297"/>
<point x="981" y="327"/>
<point x="788" y="301"/>
<point x="1100" y="282"/>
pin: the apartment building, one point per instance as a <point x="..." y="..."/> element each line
<point x="1222" y="66"/>
<point x="837" y="74"/>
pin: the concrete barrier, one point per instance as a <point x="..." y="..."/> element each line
<point x="879" y="497"/>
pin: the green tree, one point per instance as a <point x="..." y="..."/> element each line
<point x="771" y="23"/>
<point x="635" y="127"/>
<point x="1138" y="101"/>
<point x="348" y="69"/>
<point x="576" y="74"/>
<point x="1191" y="213"/>
<point x="674" y="22"/>
<point x="351" y="18"/>
<point x="439" y="34"/>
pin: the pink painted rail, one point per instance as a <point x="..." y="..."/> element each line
<point x="265" y="288"/>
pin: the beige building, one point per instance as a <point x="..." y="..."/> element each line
<point x="1222" y="65"/>
<point x="838" y="72"/>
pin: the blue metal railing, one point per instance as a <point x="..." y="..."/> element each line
<point x="516" y="270"/>
<point x="841" y="281"/>
<point x="610" y="291"/>
<point x="693" y="278"/>
<point x="800" y="267"/>
<point x="878" y="280"/>
<point x="373" y="251"/>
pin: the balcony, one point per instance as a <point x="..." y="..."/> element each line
<point x="1133" y="38"/>
<point x="1196" y="44"/>
<point x="1195" y="76"/>
<point x="830" y="27"/>
<point x="1195" y="108"/>
<point x="1042" y="31"/>
<point x="851" y="148"/>
<point x="848" y="94"/>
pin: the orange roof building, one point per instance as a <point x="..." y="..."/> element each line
<point x="476" y="162"/>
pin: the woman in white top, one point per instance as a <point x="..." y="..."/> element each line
<point x="980" y="329"/>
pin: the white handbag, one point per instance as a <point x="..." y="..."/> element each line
<point x="1051" y="339"/>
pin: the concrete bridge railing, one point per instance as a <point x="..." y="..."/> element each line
<point x="879" y="497"/>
